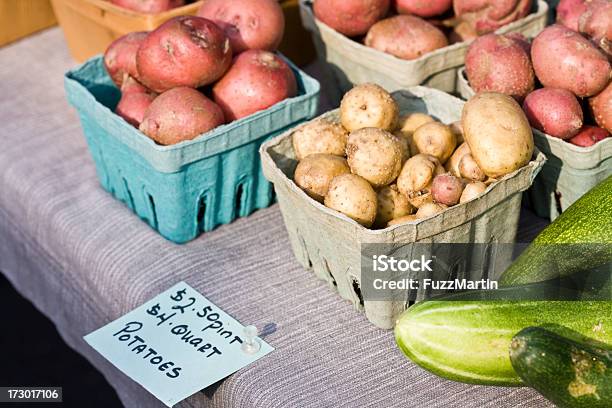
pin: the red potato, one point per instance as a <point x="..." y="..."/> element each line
<point x="131" y="85"/>
<point x="589" y="135"/>
<point x="521" y="40"/>
<point x="462" y="32"/>
<point x="120" y="56"/>
<point x="257" y="80"/>
<point x="496" y="63"/>
<point x="249" y="24"/>
<point x="569" y="13"/>
<point x="135" y="99"/>
<point x="486" y="16"/>
<point x="184" y="51"/>
<point x="554" y="111"/>
<point x="351" y="17"/>
<point x="132" y="107"/>
<point x="180" y="114"/>
<point x="406" y="37"/>
<point x="562" y="58"/>
<point x="149" y="6"/>
<point x="601" y="106"/>
<point x="423" y="8"/>
<point x="446" y="189"/>
<point x="596" y="24"/>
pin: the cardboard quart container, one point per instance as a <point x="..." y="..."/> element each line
<point x="297" y="43"/>
<point x="329" y="243"/>
<point x="91" y="25"/>
<point x="349" y="62"/>
<point x="20" y="18"/>
<point x="569" y="172"/>
<point x="191" y="187"/>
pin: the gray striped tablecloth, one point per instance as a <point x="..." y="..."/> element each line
<point x="84" y="259"/>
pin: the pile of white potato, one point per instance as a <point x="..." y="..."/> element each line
<point x="383" y="169"/>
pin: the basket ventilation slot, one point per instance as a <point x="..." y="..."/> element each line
<point x="201" y="216"/>
<point x="240" y="200"/>
<point x="357" y="290"/>
<point x="272" y="195"/>
<point x="130" y="198"/>
<point x="331" y="277"/>
<point x="153" y="211"/>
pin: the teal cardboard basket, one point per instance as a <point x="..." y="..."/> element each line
<point x="185" y="189"/>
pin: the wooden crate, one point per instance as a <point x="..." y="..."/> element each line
<point x="91" y="25"/>
<point x="20" y="18"/>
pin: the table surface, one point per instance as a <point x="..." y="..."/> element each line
<point x="84" y="259"/>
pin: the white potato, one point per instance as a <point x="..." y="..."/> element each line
<point x="472" y="190"/>
<point x="368" y="105"/>
<point x="402" y="220"/>
<point x="375" y="155"/>
<point x="353" y="196"/>
<point x="469" y="169"/>
<point x="408" y="124"/>
<point x="415" y="179"/>
<point x="391" y="204"/>
<point x="436" y="139"/>
<point x="319" y="136"/>
<point x="452" y="165"/>
<point x="315" y="172"/>
<point x="497" y="130"/>
<point x="429" y="209"/>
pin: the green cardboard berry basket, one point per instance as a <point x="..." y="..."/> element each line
<point x="185" y="189"/>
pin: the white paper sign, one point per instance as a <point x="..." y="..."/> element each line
<point x="175" y="344"/>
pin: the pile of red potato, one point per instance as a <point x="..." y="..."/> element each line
<point x="381" y="168"/>
<point x="194" y="73"/>
<point x="570" y="59"/>
<point x="409" y="29"/>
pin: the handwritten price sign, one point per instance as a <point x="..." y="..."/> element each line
<point x="176" y="344"/>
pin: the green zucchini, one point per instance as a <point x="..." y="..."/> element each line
<point x="468" y="340"/>
<point x="570" y="373"/>
<point x="579" y="239"/>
